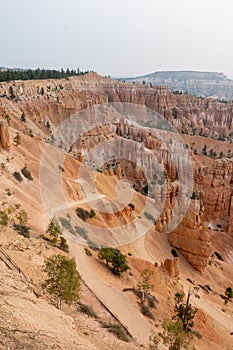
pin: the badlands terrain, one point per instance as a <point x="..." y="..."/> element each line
<point x="95" y="143"/>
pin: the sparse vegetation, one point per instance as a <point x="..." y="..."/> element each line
<point x="85" y="214"/>
<point x="22" y="230"/>
<point x="144" y="286"/>
<point x="22" y="217"/>
<point x="116" y="329"/>
<point x="4" y="218"/>
<point x="178" y="332"/>
<point x="17" y="140"/>
<point x="87" y="310"/>
<point x="174" y="336"/>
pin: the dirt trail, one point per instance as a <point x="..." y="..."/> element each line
<point x="113" y="299"/>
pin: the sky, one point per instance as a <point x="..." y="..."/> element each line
<point x="118" y="37"/>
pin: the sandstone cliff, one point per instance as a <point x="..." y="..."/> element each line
<point x="192" y="239"/>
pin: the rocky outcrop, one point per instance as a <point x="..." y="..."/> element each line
<point x="192" y="239"/>
<point x="5" y="135"/>
<point x="172" y="266"/>
<point x="214" y="186"/>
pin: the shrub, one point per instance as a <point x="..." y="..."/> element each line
<point x="87" y="310"/>
<point x="146" y="311"/>
<point x="82" y="213"/>
<point x="116" y="329"/>
<point x="4" y="218"/>
<point x="92" y="213"/>
<point x="30" y="133"/>
<point x="17" y="140"/>
<point x="18" y="176"/>
<point x="63" y="244"/>
<point x="88" y="252"/>
<point x="26" y="173"/>
<point x="22" y="230"/>
<point x="22" y="216"/>
<point x="54" y="229"/>
<point x="132" y="206"/>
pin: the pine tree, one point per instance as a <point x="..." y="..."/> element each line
<point x="54" y="229"/>
<point x="63" y="279"/>
<point x="11" y="92"/>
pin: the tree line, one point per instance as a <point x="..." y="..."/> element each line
<point x="37" y="74"/>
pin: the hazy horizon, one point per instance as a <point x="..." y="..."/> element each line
<point x="127" y="38"/>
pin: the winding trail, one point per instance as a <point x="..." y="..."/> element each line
<point x="113" y="299"/>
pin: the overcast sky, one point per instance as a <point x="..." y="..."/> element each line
<point x="118" y="37"/>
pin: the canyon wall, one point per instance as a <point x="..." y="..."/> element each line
<point x="47" y="104"/>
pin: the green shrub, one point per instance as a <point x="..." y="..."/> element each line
<point x="22" y="230"/>
<point x="26" y="173"/>
<point x="88" y="252"/>
<point x="92" y="213"/>
<point x="82" y="213"/>
<point x="4" y="218"/>
<point x="63" y="244"/>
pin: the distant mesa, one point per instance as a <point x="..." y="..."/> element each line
<point x="206" y="84"/>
